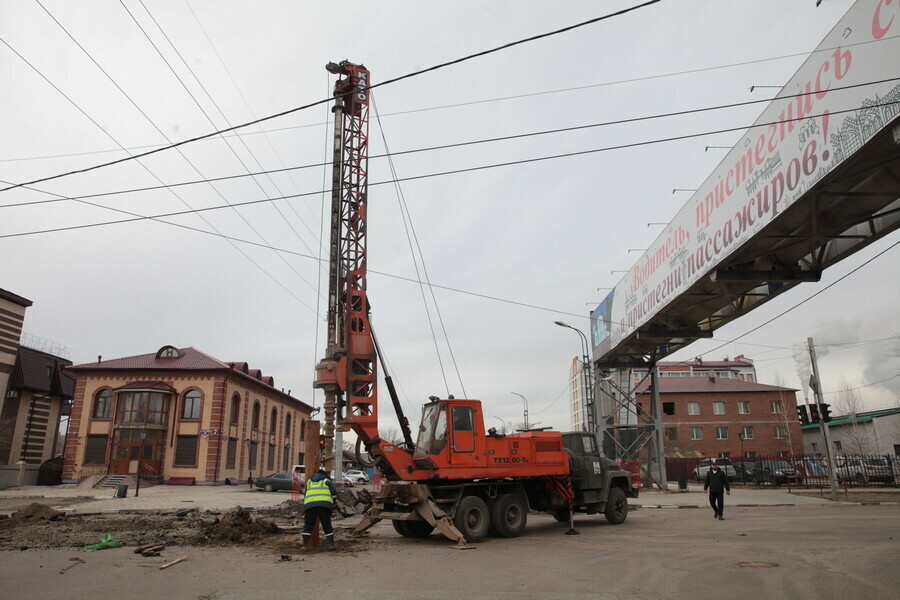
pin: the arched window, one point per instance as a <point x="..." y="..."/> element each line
<point x="273" y="422"/>
<point x="287" y="425"/>
<point x="235" y="408"/>
<point x="255" y="418"/>
<point x="102" y="404"/>
<point x="191" y="406"/>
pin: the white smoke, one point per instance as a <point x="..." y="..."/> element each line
<point x="803" y="365"/>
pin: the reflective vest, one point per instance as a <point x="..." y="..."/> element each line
<point x="317" y="491"/>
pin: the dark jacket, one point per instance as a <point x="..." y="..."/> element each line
<point x="319" y="476"/>
<point x="716" y="481"/>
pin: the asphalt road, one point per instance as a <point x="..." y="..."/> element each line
<point x="801" y="552"/>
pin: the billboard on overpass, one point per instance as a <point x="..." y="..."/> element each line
<point x="844" y="93"/>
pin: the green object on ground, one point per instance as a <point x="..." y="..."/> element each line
<point x="106" y="542"/>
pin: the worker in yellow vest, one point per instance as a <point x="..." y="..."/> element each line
<point x="317" y="504"/>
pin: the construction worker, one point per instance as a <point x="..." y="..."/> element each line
<point x="317" y="504"/>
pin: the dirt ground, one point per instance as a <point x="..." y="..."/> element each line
<point x="818" y="552"/>
<point x="271" y="530"/>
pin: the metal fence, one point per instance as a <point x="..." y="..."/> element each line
<point x="856" y="470"/>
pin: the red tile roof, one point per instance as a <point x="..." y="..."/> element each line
<point x="189" y="359"/>
<point x="702" y="385"/>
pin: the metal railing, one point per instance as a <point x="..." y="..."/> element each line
<point x="810" y="471"/>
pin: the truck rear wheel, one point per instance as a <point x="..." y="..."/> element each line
<point x="472" y="518"/>
<point x="616" y="506"/>
<point x="509" y="516"/>
<point x="412" y="529"/>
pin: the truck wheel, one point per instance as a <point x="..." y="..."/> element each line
<point x="561" y="515"/>
<point x="399" y="527"/>
<point x="509" y="516"/>
<point x="418" y="529"/>
<point x="616" y="506"/>
<point x="472" y="518"/>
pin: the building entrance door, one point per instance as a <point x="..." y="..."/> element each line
<point x="131" y="453"/>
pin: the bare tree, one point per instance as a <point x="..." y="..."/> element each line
<point x="859" y="437"/>
<point x="785" y="414"/>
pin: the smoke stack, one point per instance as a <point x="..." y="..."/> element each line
<point x="99" y="358"/>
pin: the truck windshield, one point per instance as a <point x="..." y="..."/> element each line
<point x="432" y="430"/>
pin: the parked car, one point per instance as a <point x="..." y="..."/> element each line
<point x="356" y="476"/>
<point x="743" y="470"/>
<point x="864" y="469"/>
<point x="276" y="482"/>
<point x="724" y="464"/>
<point x="776" y="472"/>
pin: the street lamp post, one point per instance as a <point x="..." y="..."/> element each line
<point x="137" y="487"/>
<point x="526" y="407"/>
<point x="502" y="425"/>
<point x="585" y="377"/>
<point x="743" y="468"/>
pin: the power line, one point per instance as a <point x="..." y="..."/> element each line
<point x="802" y="302"/>
<point x="205" y="114"/>
<point x="862" y="386"/>
<point x="442" y="173"/>
<point x="468" y="103"/>
<point x="483" y="141"/>
<point x="323" y="101"/>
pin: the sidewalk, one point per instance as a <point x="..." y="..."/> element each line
<point x="221" y="498"/>
<point x="695" y="497"/>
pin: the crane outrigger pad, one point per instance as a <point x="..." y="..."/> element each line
<point x="410" y="502"/>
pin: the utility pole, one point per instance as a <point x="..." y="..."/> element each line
<point x="817" y="390"/>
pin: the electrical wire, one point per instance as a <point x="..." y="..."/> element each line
<point x="798" y="304"/>
<point x="862" y="386"/>
<point x="140" y="163"/>
<point x="415" y="250"/>
<point x="504" y="138"/>
<point x="471" y="102"/>
<point x="228" y="145"/>
<point x="439" y="174"/>
<point x="325" y="100"/>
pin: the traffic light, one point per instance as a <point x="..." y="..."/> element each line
<point x="804" y="418"/>
<point x="321" y="443"/>
<point x="825" y="412"/>
<point x="813" y="413"/>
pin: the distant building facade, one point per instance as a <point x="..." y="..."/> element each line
<point x="38" y="396"/>
<point x="12" y="317"/>
<point x="577" y="396"/>
<point x="180" y="414"/>
<point x="712" y="417"/>
<point x="871" y="432"/>
<point x="739" y="367"/>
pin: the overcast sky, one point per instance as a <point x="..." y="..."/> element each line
<point x="509" y="249"/>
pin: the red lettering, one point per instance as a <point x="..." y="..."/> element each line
<point x="842" y="60"/>
<point x="760" y="149"/>
<point x="793" y="173"/>
<point x="809" y="158"/>
<point x="878" y="30"/>
<point x="820" y="91"/>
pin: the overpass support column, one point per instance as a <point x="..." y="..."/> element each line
<point x="658" y="436"/>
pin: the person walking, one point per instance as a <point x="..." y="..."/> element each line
<point x="318" y="502"/>
<point x="717" y="484"/>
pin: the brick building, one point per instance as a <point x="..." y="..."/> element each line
<point x="180" y="414"/>
<point x="709" y="416"/>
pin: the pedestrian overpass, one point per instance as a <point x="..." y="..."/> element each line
<point x="815" y="179"/>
